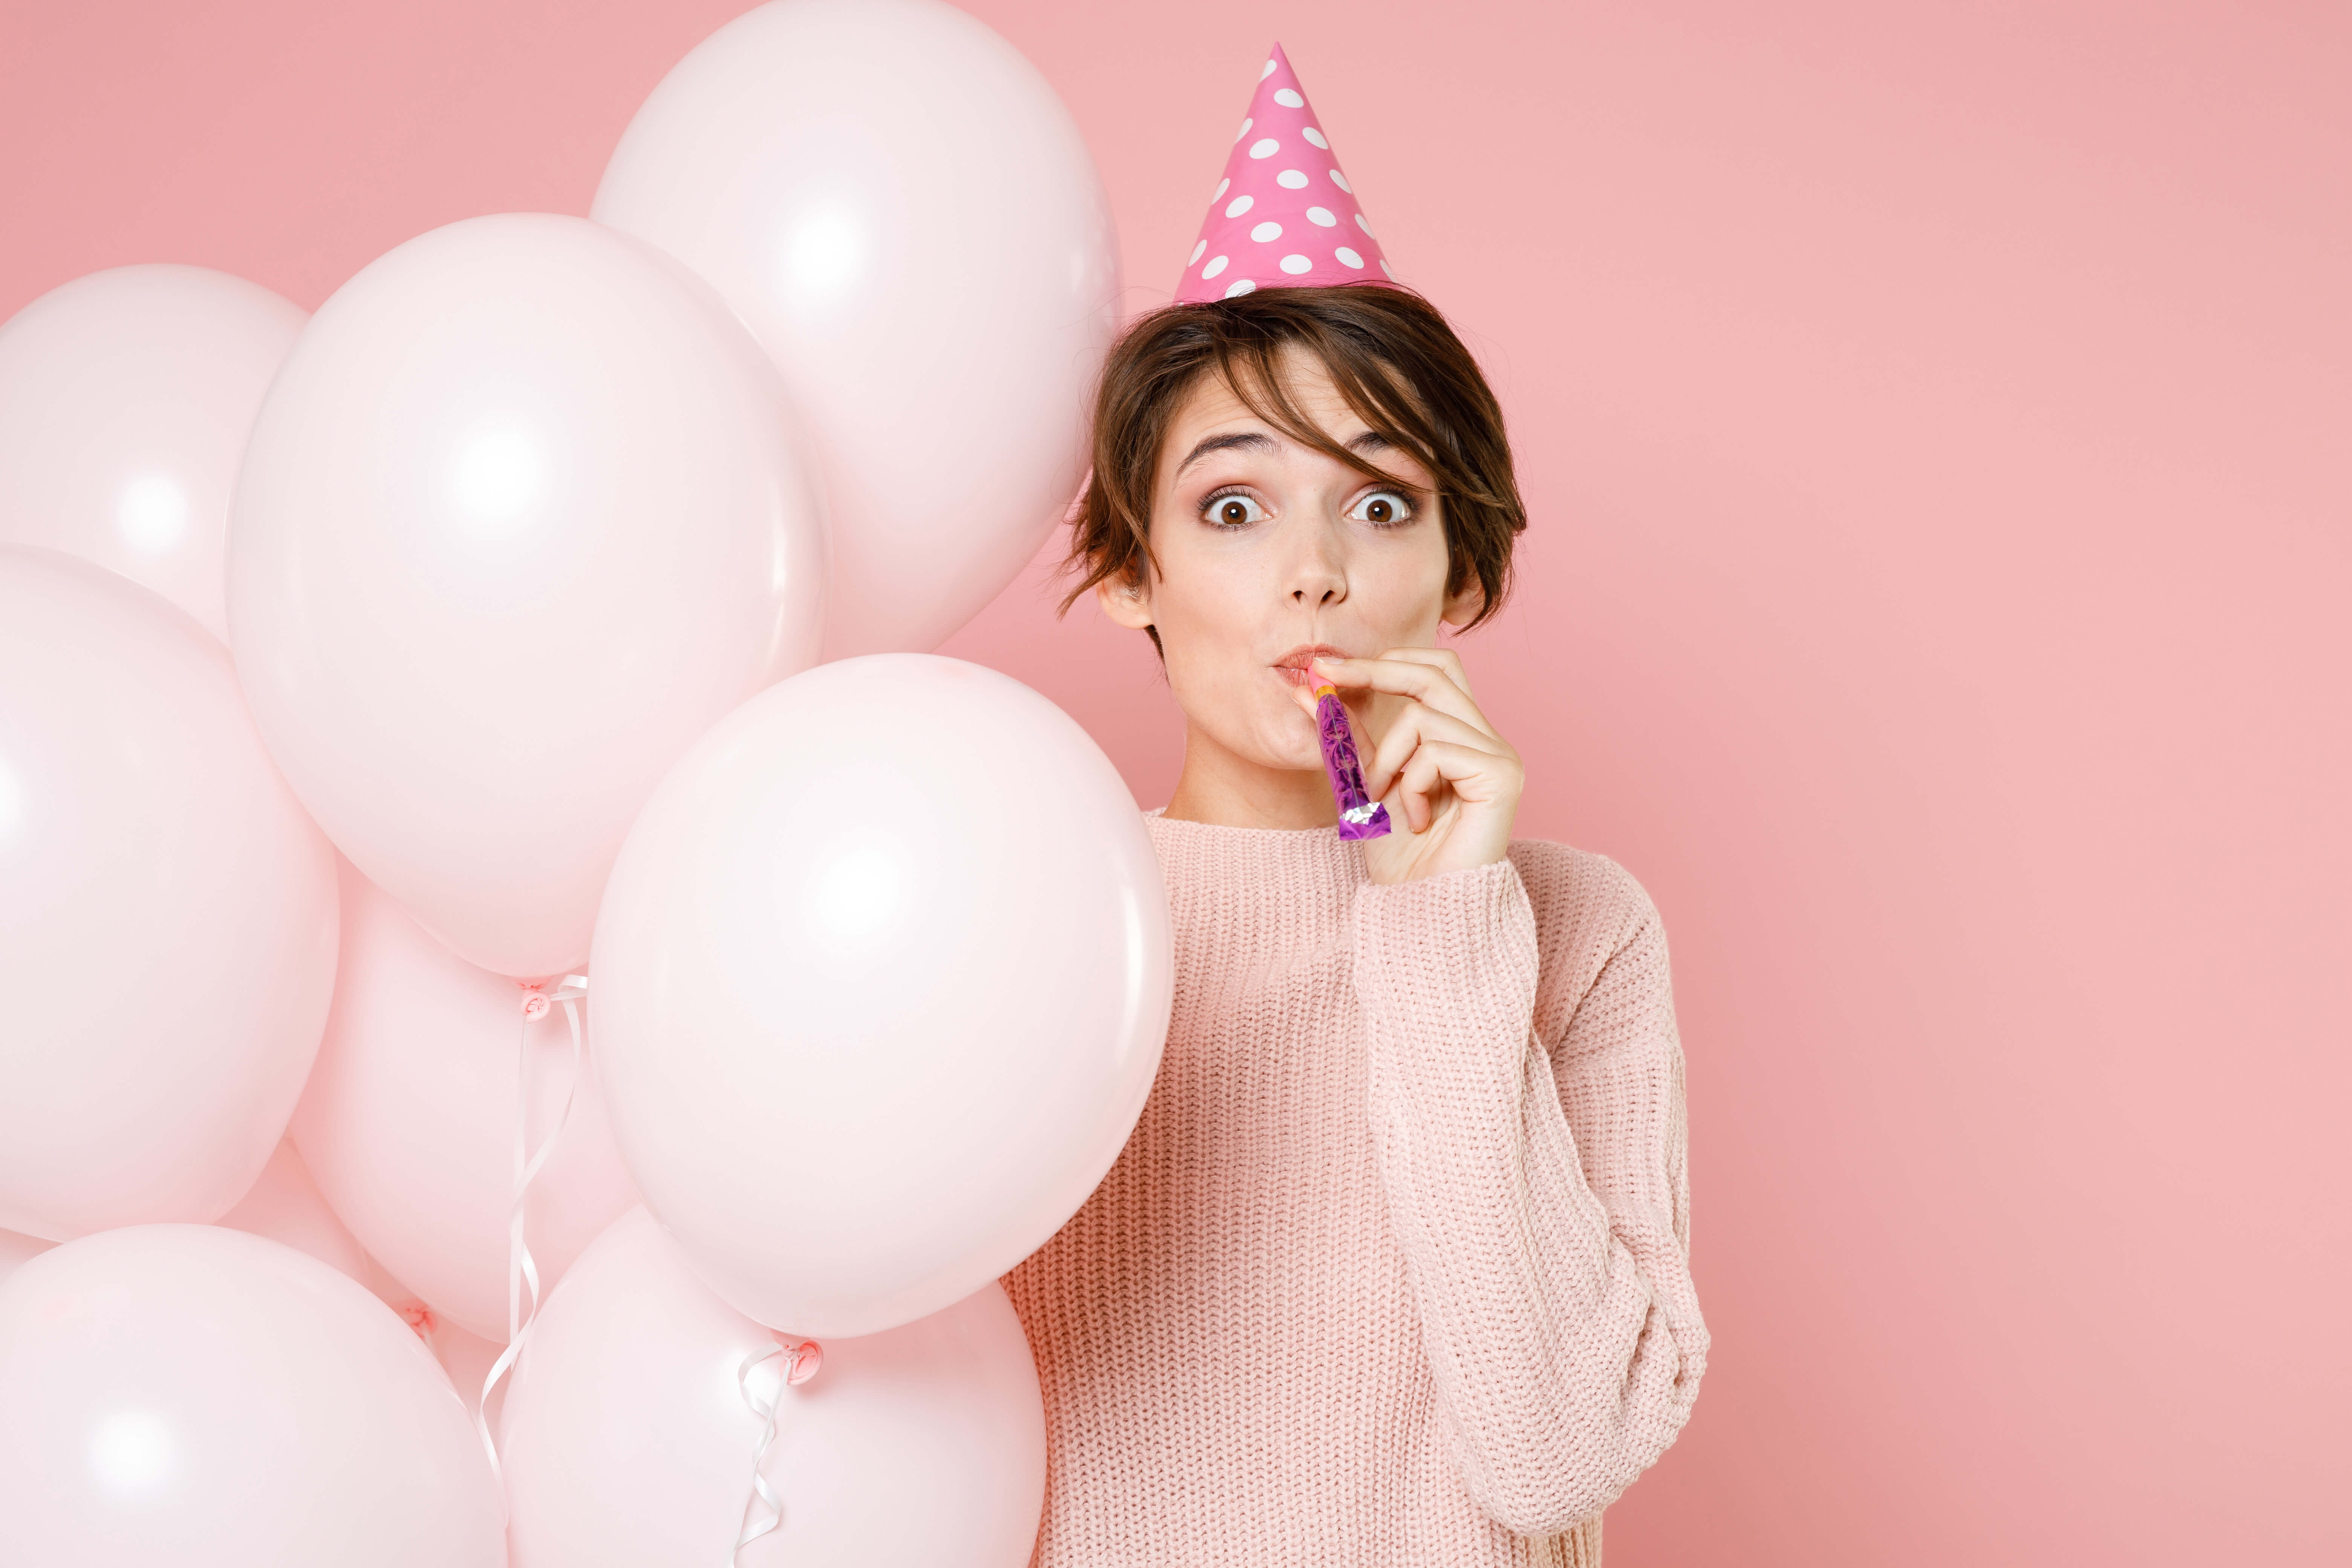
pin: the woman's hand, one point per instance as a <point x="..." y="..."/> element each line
<point x="1450" y="783"/>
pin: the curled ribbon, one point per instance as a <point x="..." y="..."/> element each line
<point x="522" y="1272"/>
<point x="765" y="1510"/>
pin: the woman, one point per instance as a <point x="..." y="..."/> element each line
<point x="1395" y="1267"/>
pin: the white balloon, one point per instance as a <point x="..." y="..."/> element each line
<point x="191" y="1395"/>
<point x="16" y="1250"/>
<point x="468" y="1359"/>
<point x="628" y="1441"/>
<point x="522" y="515"/>
<point x="167" y="912"/>
<point x="907" y="217"/>
<point x="125" y="399"/>
<point x="286" y="1206"/>
<point x="408" y="1120"/>
<point x="883" y="979"/>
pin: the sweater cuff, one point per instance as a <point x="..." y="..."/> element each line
<point x="1447" y="951"/>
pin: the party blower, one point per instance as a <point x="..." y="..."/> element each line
<point x="1360" y="817"/>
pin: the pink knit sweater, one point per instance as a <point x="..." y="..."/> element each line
<point x="1395" y="1266"/>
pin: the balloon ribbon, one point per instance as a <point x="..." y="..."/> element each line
<point x="521" y="1271"/>
<point x="765" y="1510"/>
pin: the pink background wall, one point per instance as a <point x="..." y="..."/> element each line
<point x="1935" y="419"/>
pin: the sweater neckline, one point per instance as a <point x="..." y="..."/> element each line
<point x="1252" y="855"/>
<point x="1160" y="814"/>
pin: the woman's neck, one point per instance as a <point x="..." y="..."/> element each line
<point x="1225" y="790"/>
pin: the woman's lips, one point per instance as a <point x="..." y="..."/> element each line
<point x="1293" y="666"/>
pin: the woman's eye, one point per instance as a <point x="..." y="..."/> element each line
<point x="1232" y="511"/>
<point x="1382" y="509"/>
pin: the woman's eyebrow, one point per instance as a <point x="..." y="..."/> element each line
<point x="1366" y="441"/>
<point x="1231" y="441"/>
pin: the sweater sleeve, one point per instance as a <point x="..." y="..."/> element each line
<point x="1538" y="1187"/>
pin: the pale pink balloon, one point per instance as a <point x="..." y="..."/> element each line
<point x="898" y="204"/>
<point x="286" y="1206"/>
<point x="408" y="1122"/>
<point x="199" y="1396"/>
<point x="167" y="913"/>
<point x="882" y="981"/>
<point x="16" y="1250"/>
<point x="628" y="1440"/>
<point x="125" y="399"/>
<point x="468" y="1359"/>
<point x="520" y="517"/>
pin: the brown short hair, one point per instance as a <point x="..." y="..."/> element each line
<point x="1390" y="354"/>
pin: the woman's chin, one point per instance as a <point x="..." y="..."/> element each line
<point x="1281" y="748"/>
<point x="1272" y="730"/>
<point x="1293" y="736"/>
<point x="1299" y="753"/>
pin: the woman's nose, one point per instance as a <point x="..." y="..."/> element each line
<point x="1318" y="592"/>
<point x="1319" y="576"/>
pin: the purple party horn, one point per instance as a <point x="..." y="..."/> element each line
<point x="1360" y="817"/>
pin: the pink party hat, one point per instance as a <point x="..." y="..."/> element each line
<point x="1284" y="214"/>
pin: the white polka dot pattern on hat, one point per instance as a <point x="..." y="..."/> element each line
<point x="1267" y="226"/>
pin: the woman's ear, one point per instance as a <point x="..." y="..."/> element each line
<point x="1126" y="602"/>
<point x="1461" y="608"/>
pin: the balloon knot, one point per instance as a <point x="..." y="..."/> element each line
<point x="534" y="1004"/>
<point x="419" y="1317"/>
<point x="806" y="1357"/>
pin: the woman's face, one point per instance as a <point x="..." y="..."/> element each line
<point x="1269" y="551"/>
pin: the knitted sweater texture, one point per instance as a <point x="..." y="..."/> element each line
<point x="1394" y="1270"/>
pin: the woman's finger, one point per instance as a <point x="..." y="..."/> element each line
<point x="1438" y="658"/>
<point x="1423" y="682"/>
<point x="1415" y="783"/>
<point x="1416" y="725"/>
<point x="1475" y="776"/>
